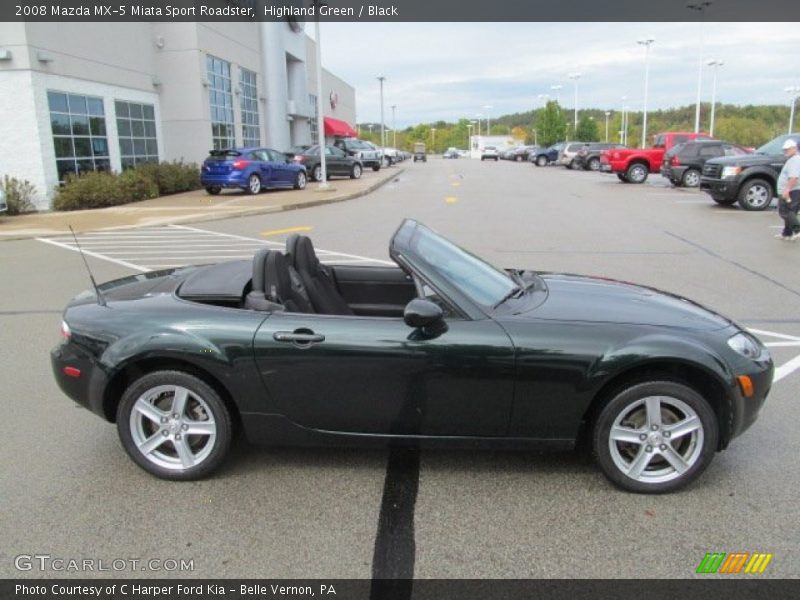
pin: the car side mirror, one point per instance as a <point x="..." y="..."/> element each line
<point x="422" y="314"/>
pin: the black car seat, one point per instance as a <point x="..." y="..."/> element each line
<point x="315" y="277"/>
<point x="272" y="286"/>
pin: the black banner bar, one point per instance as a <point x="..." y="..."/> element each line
<point x="400" y="10"/>
<point x="742" y="587"/>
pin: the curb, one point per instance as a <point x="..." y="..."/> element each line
<point x="207" y="217"/>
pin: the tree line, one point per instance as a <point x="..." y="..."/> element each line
<point x="747" y="125"/>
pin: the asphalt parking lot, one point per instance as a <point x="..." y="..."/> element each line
<point x="68" y="489"/>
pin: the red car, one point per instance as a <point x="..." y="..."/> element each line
<point x="633" y="166"/>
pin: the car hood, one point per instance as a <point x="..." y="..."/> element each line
<point x="595" y="299"/>
<point x="748" y="160"/>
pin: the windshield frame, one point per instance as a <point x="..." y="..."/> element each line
<point x="406" y="251"/>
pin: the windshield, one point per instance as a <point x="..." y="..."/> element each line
<point x="479" y="280"/>
<point x="776" y="145"/>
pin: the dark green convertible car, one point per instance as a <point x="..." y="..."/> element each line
<point x="442" y="350"/>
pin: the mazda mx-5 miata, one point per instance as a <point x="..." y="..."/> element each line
<point x="441" y="350"/>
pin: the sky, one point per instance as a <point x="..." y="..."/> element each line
<point x="446" y="71"/>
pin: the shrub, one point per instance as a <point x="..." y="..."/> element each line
<point x="19" y="194"/>
<point x="97" y="189"/>
<point x="172" y="177"/>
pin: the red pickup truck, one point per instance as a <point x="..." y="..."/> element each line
<point x="633" y="166"/>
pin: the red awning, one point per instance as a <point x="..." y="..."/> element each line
<point x="338" y="128"/>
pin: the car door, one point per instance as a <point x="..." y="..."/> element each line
<point x="281" y="173"/>
<point x="340" y="165"/>
<point x="377" y="375"/>
<point x="261" y="160"/>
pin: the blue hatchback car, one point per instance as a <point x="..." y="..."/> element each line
<point x="251" y="169"/>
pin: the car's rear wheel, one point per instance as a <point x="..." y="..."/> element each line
<point x="756" y="194"/>
<point x="636" y="173"/>
<point x="300" y="180"/>
<point x="254" y="184"/>
<point x="655" y="437"/>
<point x="691" y="178"/>
<point x="174" y="425"/>
<point x="355" y="172"/>
<point x="316" y="173"/>
<point x="594" y="164"/>
<point x="213" y="189"/>
<point x="376" y="167"/>
<point x="518" y="158"/>
<point x="541" y="161"/>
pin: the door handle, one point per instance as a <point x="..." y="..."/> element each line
<point x="299" y="337"/>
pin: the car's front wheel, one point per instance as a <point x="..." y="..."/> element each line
<point x="541" y="161"/>
<point x="655" y="437"/>
<point x="300" y="180"/>
<point x="355" y="172"/>
<point x="622" y="177"/>
<point x="594" y="164"/>
<point x="376" y="167"/>
<point x="174" y="425"/>
<point x="756" y="194"/>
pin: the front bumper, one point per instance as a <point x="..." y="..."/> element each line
<point x="745" y="410"/>
<point x="724" y="189"/>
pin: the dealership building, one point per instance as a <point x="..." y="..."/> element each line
<point x="79" y="97"/>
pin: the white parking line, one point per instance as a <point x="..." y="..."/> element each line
<point x="178" y="245"/>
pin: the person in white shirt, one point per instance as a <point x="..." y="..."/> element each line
<point x="789" y="192"/>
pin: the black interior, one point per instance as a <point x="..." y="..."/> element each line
<point x="298" y="282"/>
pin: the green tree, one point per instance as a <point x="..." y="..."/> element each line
<point x="551" y="126"/>
<point x="587" y="129"/>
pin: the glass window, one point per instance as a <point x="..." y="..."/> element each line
<point x="710" y="150"/>
<point x="312" y="122"/>
<point x="220" y="100"/>
<point x="80" y="140"/>
<point x="136" y="128"/>
<point x="251" y="132"/>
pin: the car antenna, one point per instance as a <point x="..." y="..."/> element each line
<point x="100" y="299"/>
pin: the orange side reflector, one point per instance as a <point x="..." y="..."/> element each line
<point x="747" y="385"/>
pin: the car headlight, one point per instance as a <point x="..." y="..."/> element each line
<point x="747" y="346"/>
<point x="729" y="172"/>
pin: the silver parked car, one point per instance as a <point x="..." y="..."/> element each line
<point x="568" y="154"/>
<point x="3" y="205"/>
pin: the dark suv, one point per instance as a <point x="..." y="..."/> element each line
<point x="750" y="180"/>
<point x="361" y="151"/>
<point x="683" y="163"/>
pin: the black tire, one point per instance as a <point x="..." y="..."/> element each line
<point x="541" y="161"/>
<point x="636" y="173"/>
<point x="213" y="189"/>
<point x="676" y="402"/>
<point x="482" y="157"/>
<point x="316" y="173"/>
<point x="253" y="185"/>
<point x="572" y="165"/>
<point x="593" y="164"/>
<point x="755" y="194"/>
<point x="690" y="178"/>
<point x="355" y="172"/>
<point x="518" y="158"/>
<point x="376" y="168"/>
<point x="622" y="177"/>
<point x="219" y="444"/>
<point x="724" y="201"/>
<point x="300" y="180"/>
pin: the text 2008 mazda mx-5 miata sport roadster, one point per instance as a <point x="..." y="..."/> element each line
<point x="441" y="350"/>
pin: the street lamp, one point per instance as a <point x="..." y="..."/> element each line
<point x="624" y="122"/>
<point x="323" y="184"/>
<point x="394" y="128"/>
<point x="469" y="137"/>
<point x="646" y="43"/>
<point x="608" y="114"/>
<point x="557" y="90"/>
<point x="433" y="139"/>
<point x="480" y="116"/>
<point x="701" y="8"/>
<point x="794" y="90"/>
<point x="575" y="77"/>
<point x="488" y="124"/>
<point x="381" y="78"/>
<point x="715" y="63"/>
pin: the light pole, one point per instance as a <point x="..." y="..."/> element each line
<point x="716" y="64"/>
<point x="624" y="122"/>
<point x="479" y="116"/>
<point x="646" y="43"/>
<point x="701" y="8"/>
<point x="394" y="128"/>
<point x="488" y="107"/>
<point x="381" y="78"/>
<point x="575" y="77"/>
<point x="794" y="90"/>
<point x="323" y="184"/>
<point x="469" y="137"/>
<point x="433" y="139"/>
<point x="608" y="114"/>
<point x="557" y="90"/>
